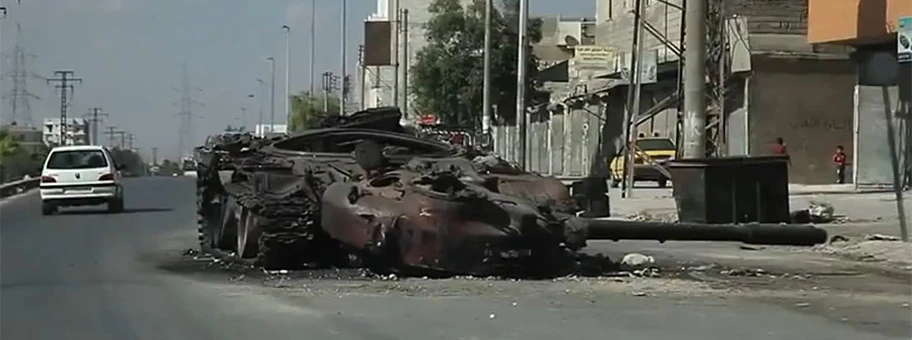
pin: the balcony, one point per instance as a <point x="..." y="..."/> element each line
<point x="855" y="22"/>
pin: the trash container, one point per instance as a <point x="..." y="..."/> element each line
<point x="591" y="194"/>
<point x="731" y="189"/>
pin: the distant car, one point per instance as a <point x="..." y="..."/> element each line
<point x="653" y="152"/>
<point x="80" y="175"/>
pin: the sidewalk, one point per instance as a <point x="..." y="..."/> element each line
<point x="859" y="215"/>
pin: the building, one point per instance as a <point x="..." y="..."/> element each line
<point x="882" y="85"/>
<point x="767" y="66"/>
<point x="77" y="131"/>
<point x="262" y="130"/>
<point x="381" y="49"/>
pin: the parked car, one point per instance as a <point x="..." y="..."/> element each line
<point x="652" y="153"/>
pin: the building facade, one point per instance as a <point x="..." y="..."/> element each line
<point x="380" y="81"/>
<point x="882" y="86"/>
<point x="77" y="131"/>
<point x="768" y="68"/>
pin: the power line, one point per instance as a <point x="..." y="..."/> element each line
<point x="65" y="79"/>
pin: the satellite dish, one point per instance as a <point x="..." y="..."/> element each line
<point x="571" y="41"/>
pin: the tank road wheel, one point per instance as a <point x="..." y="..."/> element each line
<point x="248" y="234"/>
<point x="227" y="233"/>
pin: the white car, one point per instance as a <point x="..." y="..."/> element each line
<point x="80" y="175"/>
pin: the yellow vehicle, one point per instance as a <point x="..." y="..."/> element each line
<point x="651" y="154"/>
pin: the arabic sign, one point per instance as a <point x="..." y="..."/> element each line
<point x="591" y="57"/>
<point x="904" y="40"/>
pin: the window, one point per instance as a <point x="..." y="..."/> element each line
<point x="77" y="159"/>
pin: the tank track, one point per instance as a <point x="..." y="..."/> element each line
<point x="289" y="225"/>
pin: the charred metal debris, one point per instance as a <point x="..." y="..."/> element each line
<point x="362" y="191"/>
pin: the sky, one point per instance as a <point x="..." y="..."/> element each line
<point x="129" y="54"/>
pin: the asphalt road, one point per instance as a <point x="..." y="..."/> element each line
<point x="92" y="275"/>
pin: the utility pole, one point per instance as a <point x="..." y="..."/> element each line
<point x="93" y="117"/>
<point x="363" y="75"/>
<point x="19" y="96"/>
<point x="154" y="156"/>
<point x="287" y="30"/>
<point x="186" y="110"/>
<point x="123" y="138"/>
<point x="272" y="95"/>
<point x="329" y="83"/>
<point x="521" y="84"/>
<point x="486" y="91"/>
<point x="343" y="74"/>
<point x="262" y="98"/>
<point x="403" y="99"/>
<point x="111" y="134"/>
<point x="694" y="80"/>
<point x="313" y="43"/>
<point x="65" y="78"/>
<point x="634" y="84"/>
<point x="394" y="27"/>
<point x="130" y="139"/>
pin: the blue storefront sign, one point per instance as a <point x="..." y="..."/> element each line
<point x="904" y="40"/>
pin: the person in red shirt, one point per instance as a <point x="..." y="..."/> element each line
<point x="779" y="149"/>
<point x="839" y="159"/>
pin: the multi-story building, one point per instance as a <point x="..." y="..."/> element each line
<point x="882" y="94"/>
<point x="77" y="131"/>
<point x="380" y="81"/>
<point x="768" y="68"/>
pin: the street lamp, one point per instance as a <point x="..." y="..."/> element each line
<point x="342" y="76"/>
<point x="272" y="95"/>
<point x="262" y="89"/>
<point x="287" y="30"/>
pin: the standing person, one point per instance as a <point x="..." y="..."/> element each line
<point x="779" y="149"/>
<point x="839" y="159"/>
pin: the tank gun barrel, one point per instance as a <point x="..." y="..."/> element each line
<point x="753" y="233"/>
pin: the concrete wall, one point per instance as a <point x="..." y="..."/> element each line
<point x="809" y="104"/>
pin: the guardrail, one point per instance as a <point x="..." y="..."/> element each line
<point x="12" y="188"/>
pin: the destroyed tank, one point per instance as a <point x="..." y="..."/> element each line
<point x="359" y="192"/>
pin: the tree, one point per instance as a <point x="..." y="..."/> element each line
<point x="448" y="74"/>
<point x="8" y="146"/>
<point x="306" y="109"/>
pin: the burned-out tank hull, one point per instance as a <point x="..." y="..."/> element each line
<point x="419" y="206"/>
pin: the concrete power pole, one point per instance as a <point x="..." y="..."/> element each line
<point x="694" y="80"/>
<point x="287" y="76"/>
<point x="343" y="74"/>
<point x="362" y="75"/>
<point x="394" y="28"/>
<point x="486" y="92"/>
<point x="521" y="84"/>
<point x="313" y="44"/>
<point x="404" y="63"/>
<point x="65" y="80"/>
<point x="94" y="116"/>
<point x="634" y="80"/>
<point x="111" y="134"/>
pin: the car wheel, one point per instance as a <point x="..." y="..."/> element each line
<point x="663" y="183"/>
<point x="48" y="208"/>
<point x="116" y="205"/>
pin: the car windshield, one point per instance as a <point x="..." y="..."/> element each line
<point x="77" y="159"/>
<point x="655" y="144"/>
